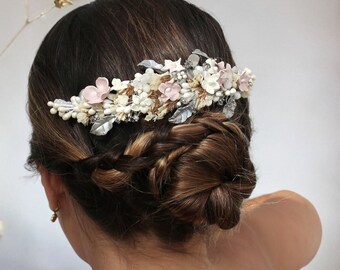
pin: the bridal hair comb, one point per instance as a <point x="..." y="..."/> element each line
<point x="161" y="89"/>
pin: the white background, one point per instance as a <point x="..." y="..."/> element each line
<point x="293" y="48"/>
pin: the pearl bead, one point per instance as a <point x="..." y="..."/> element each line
<point x="53" y="111"/>
<point x="92" y="112"/>
<point x="107" y="111"/>
<point x="63" y="109"/>
<point x="219" y="93"/>
<point x="185" y="85"/>
<point x="67" y="116"/>
<point x="187" y="95"/>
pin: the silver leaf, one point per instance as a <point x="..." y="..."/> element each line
<point x="193" y="60"/>
<point x="190" y="74"/>
<point x="199" y="52"/>
<point x="103" y="126"/>
<point x="230" y="107"/>
<point x="182" y="114"/>
<point x="151" y="64"/>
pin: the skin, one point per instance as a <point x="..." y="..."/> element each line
<point x="281" y="230"/>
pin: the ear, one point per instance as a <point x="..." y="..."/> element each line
<point x="53" y="186"/>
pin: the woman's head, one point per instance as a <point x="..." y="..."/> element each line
<point x="145" y="177"/>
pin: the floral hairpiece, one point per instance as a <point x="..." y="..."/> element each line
<point x="160" y="90"/>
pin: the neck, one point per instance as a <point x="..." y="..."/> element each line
<point x="147" y="253"/>
<point x="101" y="252"/>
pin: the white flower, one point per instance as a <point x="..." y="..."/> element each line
<point x="173" y="66"/>
<point x="122" y="106"/>
<point x="211" y="62"/>
<point x="213" y="66"/>
<point x="142" y="81"/>
<point x="119" y="85"/>
<point x="122" y="100"/>
<point x="141" y="103"/>
<point x="210" y="83"/>
<point x="155" y="81"/>
<point x="83" y="118"/>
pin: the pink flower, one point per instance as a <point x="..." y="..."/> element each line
<point x="169" y="90"/>
<point x="221" y="65"/>
<point x="226" y="77"/>
<point x="243" y="82"/>
<point x="96" y="94"/>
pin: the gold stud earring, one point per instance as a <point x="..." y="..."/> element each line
<point x="55" y="214"/>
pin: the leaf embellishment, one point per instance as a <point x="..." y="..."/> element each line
<point x="151" y="64"/>
<point x="103" y="126"/>
<point x="230" y="107"/>
<point x="200" y="53"/>
<point x="192" y="61"/>
<point x="182" y="114"/>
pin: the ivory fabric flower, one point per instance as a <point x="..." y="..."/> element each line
<point x="141" y="103"/>
<point x="83" y="118"/>
<point x="142" y="81"/>
<point x="210" y="83"/>
<point x="96" y="94"/>
<point x="212" y="63"/>
<point x="123" y="104"/>
<point x="119" y="85"/>
<point x="173" y="66"/>
<point x="170" y="90"/>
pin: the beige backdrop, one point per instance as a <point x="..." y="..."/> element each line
<point x="293" y="48"/>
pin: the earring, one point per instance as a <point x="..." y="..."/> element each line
<point x="55" y="214"/>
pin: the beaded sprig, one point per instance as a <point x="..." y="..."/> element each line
<point x="161" y="89"/>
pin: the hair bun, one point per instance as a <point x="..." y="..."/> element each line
<point x="205" y="181"/>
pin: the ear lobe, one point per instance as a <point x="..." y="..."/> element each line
<point x="53" y="186"/>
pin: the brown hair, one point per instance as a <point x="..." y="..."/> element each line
<point x="170" y="180"/>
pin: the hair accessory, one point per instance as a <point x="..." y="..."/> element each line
<point x="55" y="214"/>
<point x="184" y="89"/>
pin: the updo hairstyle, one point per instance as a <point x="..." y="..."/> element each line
<point x="145" y="177"/>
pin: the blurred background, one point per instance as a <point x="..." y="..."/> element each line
<point x="293" y="48"/>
